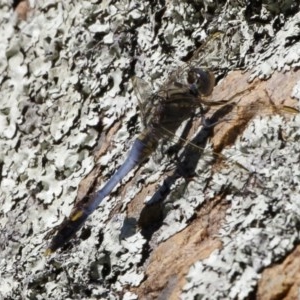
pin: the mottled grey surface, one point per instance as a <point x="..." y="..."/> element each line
<point x="64" y="77"/>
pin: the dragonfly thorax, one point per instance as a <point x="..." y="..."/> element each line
<point x="175" y="104"/>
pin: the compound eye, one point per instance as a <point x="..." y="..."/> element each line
<point x="203" y="80"/>
<point x="192" y="76"/>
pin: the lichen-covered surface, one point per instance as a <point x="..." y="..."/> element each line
<point x="68" y="117"/>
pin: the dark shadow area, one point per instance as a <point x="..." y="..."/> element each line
<point x="152" y="215"/>
<point x="15" y="3"/>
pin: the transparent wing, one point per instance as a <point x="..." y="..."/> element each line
<point x="230" y="118"/>
<point x="207" y="57"/>
<point x="200" y="59"/>
<point x="205" y="164"/>
<point x="143" y="92"/>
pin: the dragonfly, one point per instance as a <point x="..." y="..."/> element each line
<point x="162" y="113"/>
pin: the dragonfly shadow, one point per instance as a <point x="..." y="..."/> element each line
<point x="152" y="215"/>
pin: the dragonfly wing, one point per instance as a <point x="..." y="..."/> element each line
<point x="143" y="92"/>
<point x="205" y="57"/>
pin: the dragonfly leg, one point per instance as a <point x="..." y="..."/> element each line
<point x="206" y="122"/>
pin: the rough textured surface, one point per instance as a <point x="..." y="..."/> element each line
<point x="281" y="281"/>
<point x="68" y="116"/>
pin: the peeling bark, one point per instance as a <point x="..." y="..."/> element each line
<point x="68" y="117"/>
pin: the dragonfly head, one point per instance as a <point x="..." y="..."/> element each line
<point x="201" y="81"/>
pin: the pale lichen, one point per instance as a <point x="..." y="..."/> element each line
<point x="64" y="74"/>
